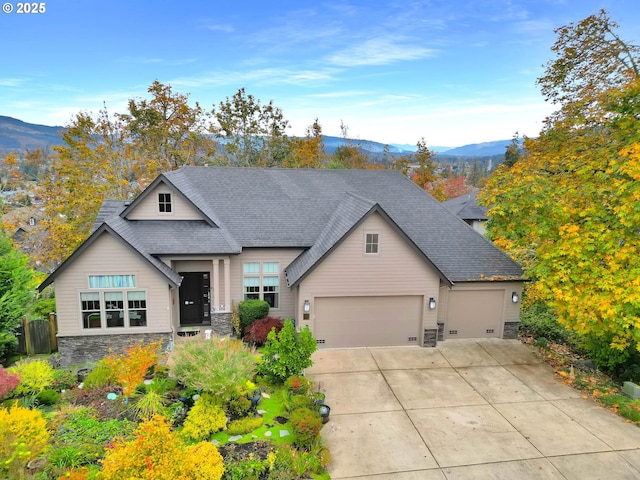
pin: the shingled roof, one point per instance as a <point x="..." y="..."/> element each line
<point x="305" y="208"/>
<point x="466" y="207"/>
<point x="294" y="207"/>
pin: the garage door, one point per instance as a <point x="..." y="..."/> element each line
<point x="474" y="314"/>
<point x="367" y="321"/>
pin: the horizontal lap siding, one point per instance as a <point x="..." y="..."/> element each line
<point x="396" y="270"/>
<point x="109" y="256"/>
<point x="147" y="209"/>
<point x="282" y="255"/>
<point x="510" y="310"/>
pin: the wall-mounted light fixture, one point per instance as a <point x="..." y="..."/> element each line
<point x="432" y="303"/>
<point x="307" y="306"/>
<point x="514" y="297"/>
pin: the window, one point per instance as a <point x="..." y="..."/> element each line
<point x="137" y="306"/>
<point x="113" y="309"/>
<point x="112" y="281"/>
<point x="271" y="289"/>
<point x="164" y="202"/>
<point x="251" y="288"/>
<point x="262" y="282"/>
<point x="371" y="243"/>
<point x="90" y="305"/>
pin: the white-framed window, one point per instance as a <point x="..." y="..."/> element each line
<point x="371" y="243"/>
<point x="113" y="302"/>
<point x="261" y="281"/>
<point x="164" y="203"/>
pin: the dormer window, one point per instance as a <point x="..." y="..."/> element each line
<point x="164" y="202"/>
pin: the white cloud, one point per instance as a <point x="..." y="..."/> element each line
<point x="380" y="51"/>
<point x="12" y="82"/>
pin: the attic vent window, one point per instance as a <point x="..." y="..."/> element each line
<point x="164" y="202"/>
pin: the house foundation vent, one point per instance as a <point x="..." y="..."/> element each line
<point x="412" y="339"/>
<point x="453" y="332"/>
<point x="320" y="342"/>
<point x="489" y="330"/>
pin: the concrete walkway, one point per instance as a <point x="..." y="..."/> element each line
<point x="467" y="409"/>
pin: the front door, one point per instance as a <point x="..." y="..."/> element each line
<point x="194" y="298"/>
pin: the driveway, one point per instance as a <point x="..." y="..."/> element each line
<point x="467" y="409"/>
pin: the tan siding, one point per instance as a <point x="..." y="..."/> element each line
<point x="109" y="256"/>
<point x="396" y="270"/>
<point x="282" y="255"/>
<point x="147" y="209"/>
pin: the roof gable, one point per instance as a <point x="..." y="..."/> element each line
<point x="347" y="217"/>
<point x="119" y="231"/>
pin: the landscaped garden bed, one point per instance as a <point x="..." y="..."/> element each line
<point x="209" y="409"/>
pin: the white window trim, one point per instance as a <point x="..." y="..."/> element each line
<point x="95" y="289"/>
<point x="364" y="247"/>
<point x="171" y="202"/>
<point x="260" y="276"/>
<point x="103" y="309"/>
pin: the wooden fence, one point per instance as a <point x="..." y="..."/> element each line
<point x="38" y="336"/>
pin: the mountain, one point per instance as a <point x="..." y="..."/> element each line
<point x="18" y="135"/>
<point x="485" y="149"/>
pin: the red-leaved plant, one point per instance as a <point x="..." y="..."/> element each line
<point x="8" y="382"/>
<point x="257" y="332"/>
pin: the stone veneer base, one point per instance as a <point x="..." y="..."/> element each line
<point x="91" y="348"/>
<point x="510" y="330"/>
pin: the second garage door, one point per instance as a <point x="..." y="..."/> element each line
<point x="474" y="314"/>
<point x="367" y="321"/>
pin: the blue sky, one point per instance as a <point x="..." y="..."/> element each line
<point x="453" y="72"/>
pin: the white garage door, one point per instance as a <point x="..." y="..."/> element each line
<point x="474" y="314"/>
<point x="367" y="321"/>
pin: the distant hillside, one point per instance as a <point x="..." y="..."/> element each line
<point x="18" y="135"/>
<point x="485" y="149"/>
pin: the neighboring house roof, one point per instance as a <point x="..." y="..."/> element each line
<point x="466" y="207"/>
<point x="310" y="209"/>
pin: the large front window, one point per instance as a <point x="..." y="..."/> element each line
<point x="262" y="282"/>
<point x="113" y="309"/>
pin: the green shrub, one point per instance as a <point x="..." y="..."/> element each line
<point x="220" y="366"/>
<point x="290" y="464"/>
<point x="205" y="418"/>
<point x="35" y="376"/>
<point x="250" y="311"/>
<point x="244" y="425"/>
<point x="99" y="377"/>
<point x="539" y="321"/>
<point x="248" y="469"/>
<point x="306" y="425"/>
<point x="48" y="396"/>
<point x="287" y="353"/>
<point x="238" y="406"/>
<point x="63" y="380"/>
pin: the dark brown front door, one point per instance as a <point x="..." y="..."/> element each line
<point x="194" y="298"/>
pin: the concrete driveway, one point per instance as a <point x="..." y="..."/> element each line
<point x="467" y="409"/>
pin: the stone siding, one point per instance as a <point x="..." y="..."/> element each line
<point x="510" y="330"/>
<point x="91" y="348"/>
<point x="440" y="332"/>
<point x="221" y="324"/>
<point x="430" y="337"/>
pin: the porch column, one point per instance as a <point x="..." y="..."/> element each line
<point x="216" y="285"/>
<point x="227" y="285"/>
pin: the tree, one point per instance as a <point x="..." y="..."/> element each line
<point x="252" y="134"/>
<point x="590" y="61"/>
<point x="166" y="133"/>
<point x="17" y="287"/>
<point x="350" y="154"/>
<point x="308" y="152"/>
<point x="513" y="152"/>
<point x="446" y="188"/>
<point x="424" y="173"/>
<point x="569" y="209"/>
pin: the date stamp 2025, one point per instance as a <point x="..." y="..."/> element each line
<point x="29" y="8"/>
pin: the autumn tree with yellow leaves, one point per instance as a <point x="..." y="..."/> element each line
<point x="569" y="208"/>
